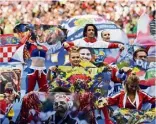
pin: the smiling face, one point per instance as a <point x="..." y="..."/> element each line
<point x="85" y="54"/>
<point x="74" y="58"/>
<point x="105" y="36"/>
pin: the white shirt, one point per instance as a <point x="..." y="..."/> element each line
<point x="97" y="44"/>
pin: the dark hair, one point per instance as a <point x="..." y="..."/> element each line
<point x="1" y="30"/>
<point x="33" y="36"/>
<point x="138" y="50"/>
<point x="91" y="50"/>
<point x="61" y="89"/>
<point x="153" y="13"/>
<point x="85" y="30"/>
<point x="20" y="28"/>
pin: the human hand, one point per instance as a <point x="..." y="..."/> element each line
<point x="39" y="47"/>
<point x="66" y="45"/>
<point x="108" y="68"/>
<point x="74" y="48"/>
<point x="126" y="69"/>
<point x="2" y="96"/>
<point x="121" y="47"/>
<point x="53" y="68"/>
<point x="102" y="102"/>
<point x="17" y="97"/>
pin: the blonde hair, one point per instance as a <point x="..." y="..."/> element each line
<point x="73" y="50"/>
<point x="132" y="79"/>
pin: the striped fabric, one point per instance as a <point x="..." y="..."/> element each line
<point x="153" y="27"/>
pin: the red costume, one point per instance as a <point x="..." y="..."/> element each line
<point x="123" y="101"/>
<point x="37" y="74"/>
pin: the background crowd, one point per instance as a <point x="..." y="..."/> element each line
<point x="125" y="13"/>
<point x="106" y="79"/>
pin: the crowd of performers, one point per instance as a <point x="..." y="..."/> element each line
<point x="84" y="89"/>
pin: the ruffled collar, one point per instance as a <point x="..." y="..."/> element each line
<point x="90" y="40"/>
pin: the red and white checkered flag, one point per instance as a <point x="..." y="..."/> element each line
<point x="8" y="47"/>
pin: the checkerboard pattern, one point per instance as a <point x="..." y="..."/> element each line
<point x="6" y="52"/>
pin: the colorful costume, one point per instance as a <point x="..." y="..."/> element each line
<point x="87" y="106"/>
<point x="37" y="73"/>
<point x="123" y="101"/>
